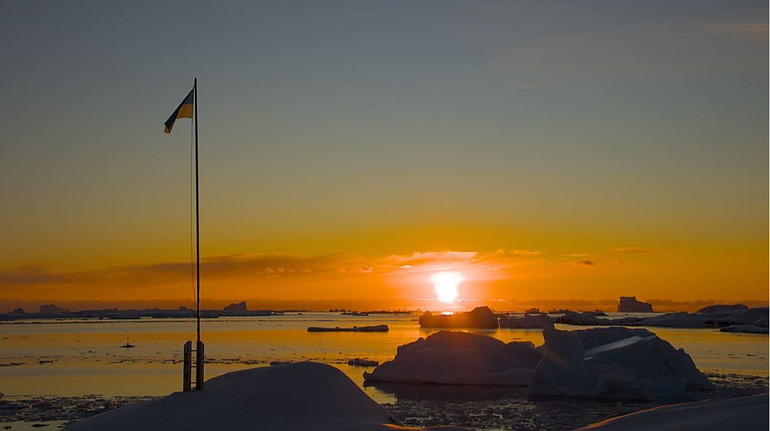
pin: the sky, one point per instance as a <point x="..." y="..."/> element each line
<point x="349" y="150"/>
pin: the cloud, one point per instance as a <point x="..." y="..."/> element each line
<point x="256" y="267"/>
<point x="35" y="274"/>
<point x="740" y="29"/>
<point x="584" y="263"/>
<point x="431" y="257"/>
<point x="633" y="250"/>
<point x="221" y="267"/>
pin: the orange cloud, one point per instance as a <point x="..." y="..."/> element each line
<point x="633" y="250"/>
<point x="280" y="275"/>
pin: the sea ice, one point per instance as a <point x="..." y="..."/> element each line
<point x="748" y="329"/>
<point x="529" y="321"/>
<point x="723" y="308"/>
<point x="573" y="318"/>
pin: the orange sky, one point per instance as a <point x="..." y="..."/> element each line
<point x="506" y="279"/>
<point x="547" y="151"/>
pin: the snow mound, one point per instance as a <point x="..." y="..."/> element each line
<point x="744" y="413"/>
<point x="617" y="363"/>
<point x="460" y="358"/>
<point x="306" y="395"/>
<point x="529" y="321"/>
<point x="479" y="317"/>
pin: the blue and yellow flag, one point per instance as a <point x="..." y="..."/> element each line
<point x="185" y="110"/>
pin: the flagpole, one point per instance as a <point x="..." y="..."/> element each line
<point x="197" y="220"/>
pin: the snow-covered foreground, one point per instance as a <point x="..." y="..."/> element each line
<point x="744" y="413"/>
<point x="301" y="396"/>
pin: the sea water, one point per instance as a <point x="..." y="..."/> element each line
<point x="80" y="357"/>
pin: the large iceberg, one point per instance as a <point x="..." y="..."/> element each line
<point x="616" y="363"/>
<point x="460" y="358"/>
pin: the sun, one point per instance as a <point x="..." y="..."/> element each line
<point x="446" y="285"/>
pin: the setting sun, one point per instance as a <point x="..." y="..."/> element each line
<point x="446" y="285"/>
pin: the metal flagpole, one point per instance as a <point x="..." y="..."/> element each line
<point x="199" y="348"/>
<point x="197" y="218"/>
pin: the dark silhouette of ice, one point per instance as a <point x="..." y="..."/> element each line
<point x="460" y="358"/>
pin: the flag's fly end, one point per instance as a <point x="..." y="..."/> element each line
<point x="184" y="110"/>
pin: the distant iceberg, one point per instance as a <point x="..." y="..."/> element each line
<point x="629" y="304"/>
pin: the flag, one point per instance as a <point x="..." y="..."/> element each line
<point x="185" y="110"/>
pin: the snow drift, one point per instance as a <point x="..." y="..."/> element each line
<point x="743" y="413"/>
<point x="304" y="395"/>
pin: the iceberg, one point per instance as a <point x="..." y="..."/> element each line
<point x="616" y="363"/>
<point x="629" y="304"/>
<point x="460" y="358"/>
<point x="479" y="317"/>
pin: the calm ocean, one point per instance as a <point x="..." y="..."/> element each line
<point x="80" y="357"/>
